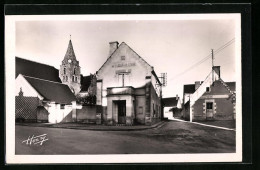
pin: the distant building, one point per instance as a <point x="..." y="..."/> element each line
<point x="171" y="107"/>
<point x="128" y="89"/>
<point x="212" y="99"/>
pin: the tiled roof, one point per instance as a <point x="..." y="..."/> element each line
<point x="85" y="82"/>
<point x="34" y="69"/>
<point x="169" y="102"/>
<point x="52" y="91"/>
<point x="189" y="88"/>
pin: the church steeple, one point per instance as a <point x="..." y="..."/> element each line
<point x="70" y="56"/>
<point x="70" y="69"/>
<point x="70" y="52"/>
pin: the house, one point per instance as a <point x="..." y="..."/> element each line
<point x="128" y="89"/>
<point x="40" y="95"/>
<point x="171" y="107"/>
<point x="212" y="99"/>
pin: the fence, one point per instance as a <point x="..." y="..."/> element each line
<point x="26" y="108"/>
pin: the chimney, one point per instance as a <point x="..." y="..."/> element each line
<point x="217" y="70"/>
<point x="112" y="47"/>
<point x="197" y="85"/>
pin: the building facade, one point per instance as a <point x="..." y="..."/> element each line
<point x="128" y="89"/>
<point x="212" y="99"/>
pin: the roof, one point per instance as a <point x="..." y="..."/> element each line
<point x="35" y="69"/>
<point x="85" y="82"/>
<point x="231" y="85"/>
<point x="170" y="102"/>
<point x="70" y="52"/>
<point x="189" y="88"/>
<point x="52" y="91"/>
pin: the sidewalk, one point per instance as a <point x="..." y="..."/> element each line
<point x="94" y="127"/>
<point x="215" y="124"/>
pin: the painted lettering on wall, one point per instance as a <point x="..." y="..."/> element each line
<point x="123" y="65"/>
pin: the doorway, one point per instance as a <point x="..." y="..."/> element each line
<point x="209" y="110"/>
<point x="121" y="106"/>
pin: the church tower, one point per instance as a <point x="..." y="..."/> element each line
<point x="70" y="70"/>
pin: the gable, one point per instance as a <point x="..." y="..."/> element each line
<point x="22" y="85"/>
<point x="130" y="56"/>
<point x="124" y="59"/>
<point x="217" y="89"/>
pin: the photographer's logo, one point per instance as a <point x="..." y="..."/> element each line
<point x="36" y="139"/>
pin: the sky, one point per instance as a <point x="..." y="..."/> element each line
<point x="170" y="46"/>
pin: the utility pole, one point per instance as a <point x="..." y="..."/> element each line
<point x="163" y="79"/>
<point x="212" y="55"/>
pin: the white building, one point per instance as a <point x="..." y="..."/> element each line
<point x="128" y="89"/>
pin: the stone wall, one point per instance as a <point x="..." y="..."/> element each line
<point x="87" y="114"/>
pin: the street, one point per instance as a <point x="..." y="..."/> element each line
<point x="173" y="137"/>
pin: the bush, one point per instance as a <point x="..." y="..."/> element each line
<point x="87" y="100"/>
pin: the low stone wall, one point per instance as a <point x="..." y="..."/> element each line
<point x="87" y="114"/>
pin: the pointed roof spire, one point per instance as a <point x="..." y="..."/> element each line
<point x="70" y="51"/>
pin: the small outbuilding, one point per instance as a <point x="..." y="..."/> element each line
<point x="212" y="99"/>
<point x="172" y="107"/>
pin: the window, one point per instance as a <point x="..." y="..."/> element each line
<point x="62" y="106"/>
<point x="73" y="78"/>
<point x="66" y="78"/>
<point x="64" y="70"/>
<point x="207" y="89"/>
<point x="74" y="72"/>
<point x="63" y="78"/>
<point x="76" y="79"/>
<point x="209" y="105"/>
<point x="122" y="57"/>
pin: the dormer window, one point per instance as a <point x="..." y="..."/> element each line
<point x="207" y="89"/>
<point x="122" y="57"/>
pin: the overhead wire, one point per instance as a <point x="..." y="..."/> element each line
<point x="205" y="58"/>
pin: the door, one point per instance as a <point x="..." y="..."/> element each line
<point x="209" y="110"/>
<point x="121" y="112"/>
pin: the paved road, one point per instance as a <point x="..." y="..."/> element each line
<point x="173" y="137"/>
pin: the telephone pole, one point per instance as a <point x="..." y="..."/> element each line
<point x="212" y="55"/>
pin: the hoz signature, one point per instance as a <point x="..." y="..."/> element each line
<point x="36" y="139"/>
